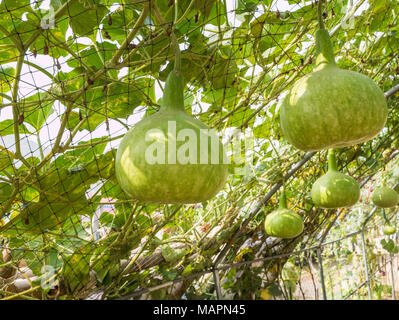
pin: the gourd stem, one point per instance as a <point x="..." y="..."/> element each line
<point x="283" y="200"/>
<point x="176" y="11"/>
<point x="320" y="14"/>
<point x="332" y="161"/>
<point x="324" y="48"/>
<point x="385" y="217"/>
<point x="173" y="93"/>
<point x="177" y="65"/>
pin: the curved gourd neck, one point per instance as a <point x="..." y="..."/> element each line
<point x="332" y="161"/>
<point x="173" y="95"/>
<point x="324" y="50"/>
<point x="283" y="201"/>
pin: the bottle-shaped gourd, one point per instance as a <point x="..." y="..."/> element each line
<point x="170" y="157"/>
<point x="384" y="197"/>
<point x="335" y="189"/>
<point x="332" y="107"/>
<point x="283" y="222"/>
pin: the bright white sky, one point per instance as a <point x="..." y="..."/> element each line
<point x="31" y="79"/>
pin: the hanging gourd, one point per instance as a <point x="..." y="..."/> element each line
<point x="331" y="107"/>
<point x="335" y="189"/>
<point x="388" y="229"/>
<point x="170" y="157"/>
<point x="283" y="222"/>
<point x="384" y="197"/>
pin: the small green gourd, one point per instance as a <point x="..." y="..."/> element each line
<point x="335" y="189"/>
<point x="283" y="222"/>
<point x="388" y="230"/>
<point x="384" y="197"/>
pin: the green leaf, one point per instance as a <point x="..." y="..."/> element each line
<point x="76" y="270"/>
<point x="95" y="59"/>
<point x="7" y="127"/>
<point x="121" y="19"/>
<point x="223" y="73"/>
<point x="172" y="254"/>
<point x="204" y="6"/>
<point x="168" y="274"/>
<point x="86" y="16"/>
<point x="6" y="79"/>
<point x="6" y="160"/>
<point x="37" y="115"/>
<point x="114" y="191"/>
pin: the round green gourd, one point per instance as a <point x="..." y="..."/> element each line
<point x="332" y="107"/>
<point x="283" y="222"/>
<point x="171" y="181"/>
<point x="335" y="189"/>
<point x="388" y="230"/>
<point x="384" y="197"/>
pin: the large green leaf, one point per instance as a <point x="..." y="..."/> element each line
<point x="36" y="115"/>
<point x="7" y="127"/>
<point x="6" y="79"/>
<point x="85" y="16"/>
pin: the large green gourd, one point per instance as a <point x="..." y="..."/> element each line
<point x="335" y="189"/>
<point x="388" y="230"/>
<point x="384" y="197"/>
<point x="150" y="174"/>
<point x="283" y="222"/>
<point x="332" y="107"/>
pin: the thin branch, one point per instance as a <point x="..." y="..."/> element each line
<point x="129" y="37"/>
<point x="320" y="14"/>
<point x="44" y="71"/>
<point x="15" y="108"/>
<point x="391" y="91"/>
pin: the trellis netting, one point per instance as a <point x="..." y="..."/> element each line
<point x="76" y="75"/>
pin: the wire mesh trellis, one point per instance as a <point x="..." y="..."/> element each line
<point x="73" y="86"/>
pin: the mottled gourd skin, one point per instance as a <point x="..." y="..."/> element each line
<point x="283" y="223"/>
<point x="388" y="230"/>
<point x="167" y="183"/>
<point x="384" y="197"/>
<point x="335" y="190"/>
<point x="171" y="181"/>
<point x="332" y="107"/>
